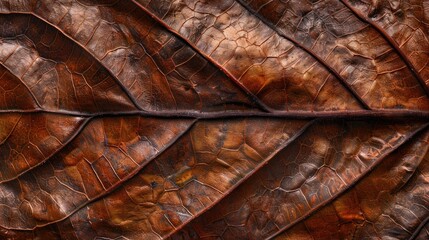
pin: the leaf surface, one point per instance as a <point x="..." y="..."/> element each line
<point x="390" y="203"/>
<point x="231" y="119"/>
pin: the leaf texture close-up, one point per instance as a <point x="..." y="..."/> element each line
<point x="214" y="119"/>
